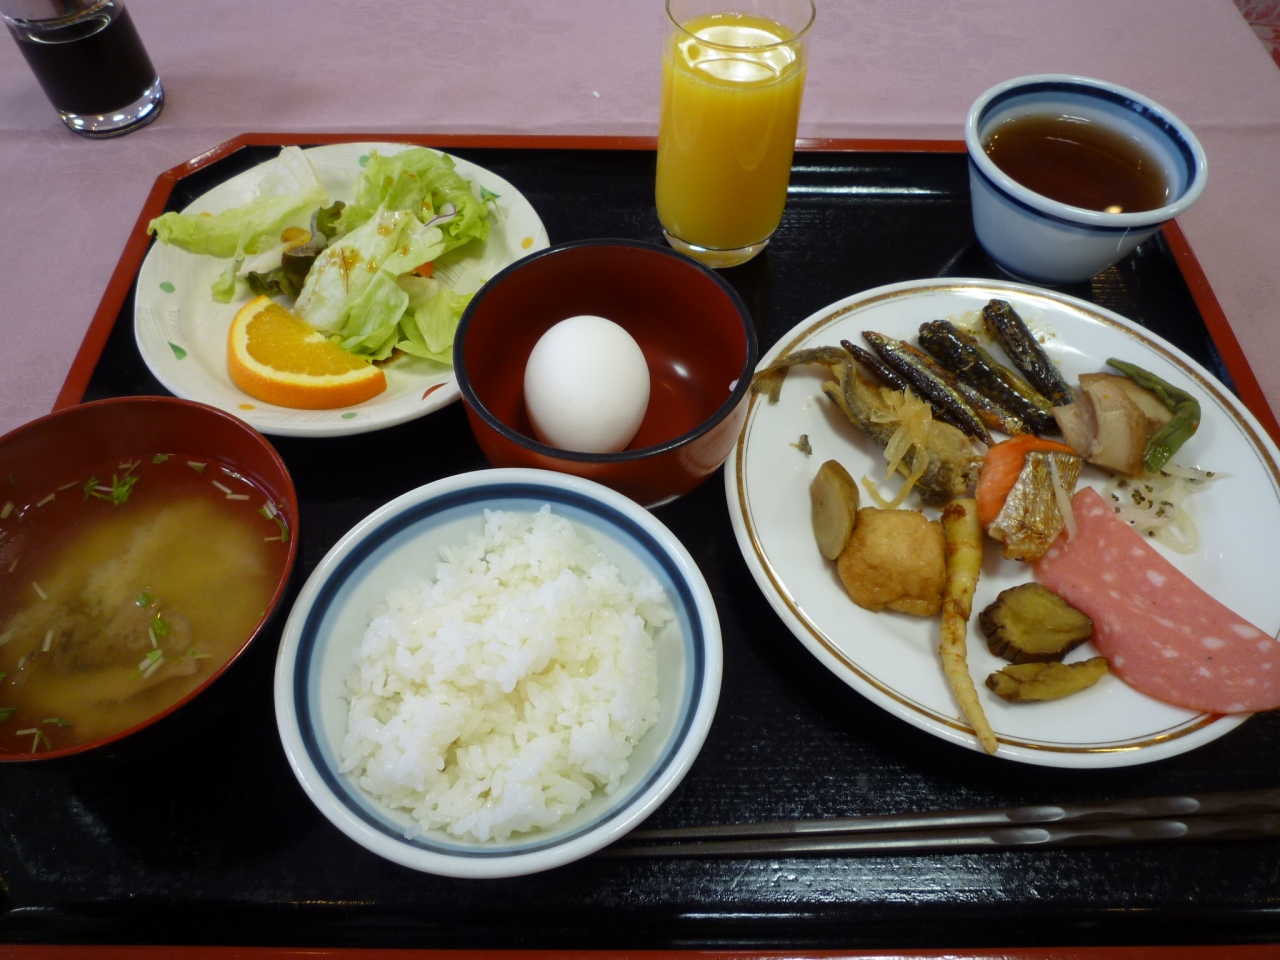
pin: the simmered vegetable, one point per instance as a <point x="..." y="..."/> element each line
<point x="1027" y="682"/>
<point x="1031" y="624"/>
<point x="963" y="536"/>
<point x="1105" y="426"/>
<point x="1166" y="441"/>
<point x="834" y="496"/>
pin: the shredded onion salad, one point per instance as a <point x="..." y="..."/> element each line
<point x="1152" y="504"/>
<point x="1062" y="498"/>
<point x="913" y="416"/>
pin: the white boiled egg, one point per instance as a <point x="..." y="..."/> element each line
<point x="586" y="386"/>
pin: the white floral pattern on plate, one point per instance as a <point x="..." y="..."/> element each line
<point x="892" y="659"/>
<point x="182" y="332"/>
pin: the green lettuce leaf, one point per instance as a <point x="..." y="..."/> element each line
<point x="390" y="242"/>
<point x="325" y="220"/>
<point x="224" y="288"/>
<point x="287" y="279"/>
<point x="272" y="283"/>
<point x="351" y="292"/>
<point x="421" y="182"/>
<point x="289" y="189"/>
<point x="368" y="324"/>
<point x="427" y="330"/>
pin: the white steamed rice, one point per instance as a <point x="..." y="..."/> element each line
<point x="497" y="699"/>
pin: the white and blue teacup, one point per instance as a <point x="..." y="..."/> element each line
<point x="1044" y="241"/>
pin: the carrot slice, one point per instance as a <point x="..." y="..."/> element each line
<point x="1003" y="465"/>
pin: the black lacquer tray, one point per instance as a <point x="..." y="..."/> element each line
<point x="196" y="832"/>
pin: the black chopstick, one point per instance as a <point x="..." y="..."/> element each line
<point x="1250" y="826"/>
<point x="1144" y="808"/>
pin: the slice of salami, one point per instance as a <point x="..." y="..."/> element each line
<point x="1160" y="633"/>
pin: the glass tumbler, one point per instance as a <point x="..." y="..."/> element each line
<point x="732" y="81"/>
<point x="90" y="61"/>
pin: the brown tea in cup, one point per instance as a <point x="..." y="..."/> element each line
<point x="1079" y="162"/>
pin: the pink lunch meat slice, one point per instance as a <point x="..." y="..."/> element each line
<point x="1160" y="633"/>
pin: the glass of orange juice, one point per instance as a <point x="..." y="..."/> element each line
<point x="731" y="87"/>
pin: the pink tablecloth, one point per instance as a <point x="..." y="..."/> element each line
<point x="881" y="68"/>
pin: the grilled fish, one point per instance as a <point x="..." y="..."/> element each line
<point x="769" y="380"/>
<point x="935" y="385"/>
<point x="877" y="366"/>
<point x="961" y="353"/>
<point x="1004" y="325"/>
<point x="953" y="463"/>
<point x="1030" y="520"/>
<point x="893" y="378"/>
<point x="990" y="411"/>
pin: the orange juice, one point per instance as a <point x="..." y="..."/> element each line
<point x="731" y="88"/>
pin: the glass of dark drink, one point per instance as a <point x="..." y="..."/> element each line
<point x="90" y="61"/>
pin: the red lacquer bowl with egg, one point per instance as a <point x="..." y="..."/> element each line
<point x="144" y="544"/>
<point x="693" y="329"/>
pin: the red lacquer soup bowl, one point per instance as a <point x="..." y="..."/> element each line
<point x="694" y="330"/>
<point x="144" y="544"/>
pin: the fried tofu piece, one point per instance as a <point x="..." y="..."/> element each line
<point x="895" y="560"/>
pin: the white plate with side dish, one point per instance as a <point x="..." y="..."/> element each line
<point x="181" y="330"/>
<point x="892" y="658"/>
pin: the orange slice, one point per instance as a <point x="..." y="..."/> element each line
<point x="276" y="357"/>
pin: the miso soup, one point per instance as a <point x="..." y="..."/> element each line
<point x="124" y="591"/>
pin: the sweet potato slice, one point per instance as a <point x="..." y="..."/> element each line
<point x="1031" y="624"/>
<point x="1028" y="682"/>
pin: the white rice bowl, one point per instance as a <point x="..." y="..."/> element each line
<point x="394" y="800"/>
<point x="499" y="697"/>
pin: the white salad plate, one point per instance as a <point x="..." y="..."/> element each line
<point x="182" y="331"/>
<point x="892" y="658"/>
